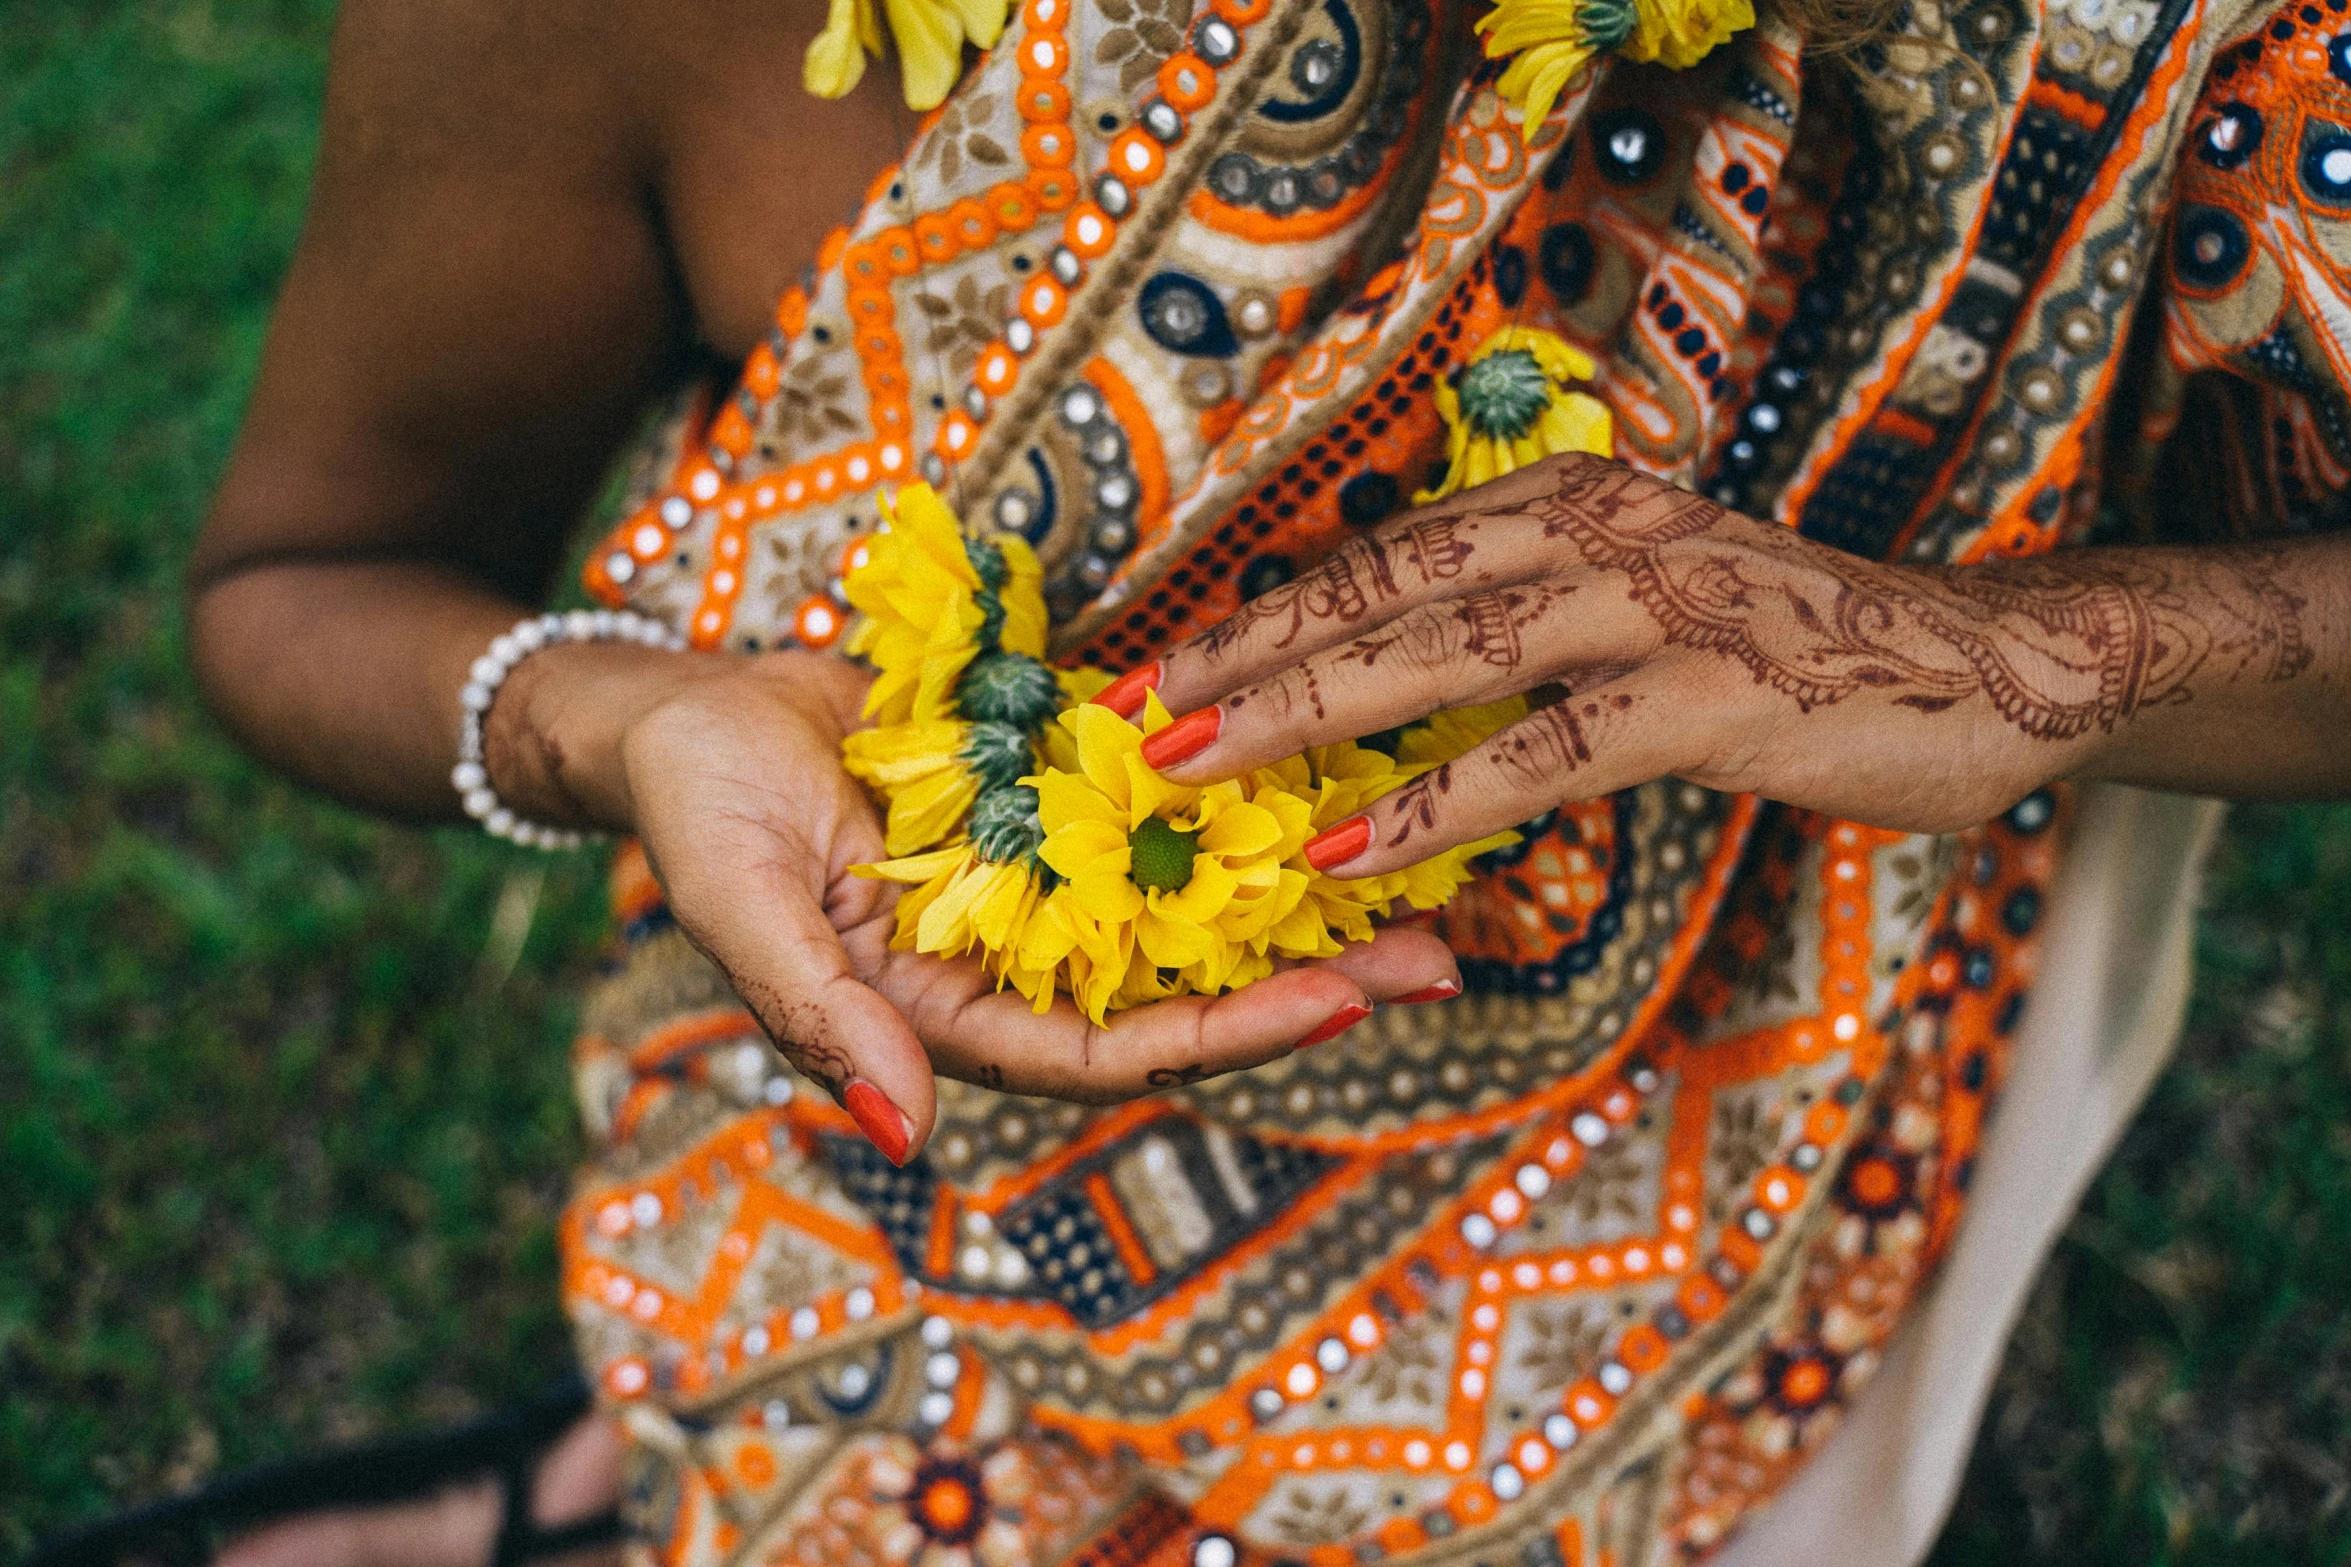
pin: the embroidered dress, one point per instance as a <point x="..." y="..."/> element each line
<point x="1584" y="1265"/>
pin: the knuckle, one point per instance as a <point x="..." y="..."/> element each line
<point x="1538" y="750"/>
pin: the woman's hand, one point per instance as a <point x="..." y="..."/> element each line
<point x="1662" y="635"/>
<point x="729" y="768"/>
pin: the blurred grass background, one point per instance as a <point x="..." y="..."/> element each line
<point x="283" y="1111"/>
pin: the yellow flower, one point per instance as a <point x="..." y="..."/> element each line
<point x="930" y="35"/>
<point x="1512" y="408"/>
<point x="1551" y="40"/>
<point x="1166" y="886"/>
<point x="1680" y="33"/>
<point x="836" y="57"/>
<point x="957" y="901"/>
<point x="931" y="771"/>
<point x="930" y="602"/>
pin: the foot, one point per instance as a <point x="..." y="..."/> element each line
<point x="578" y="1478"/>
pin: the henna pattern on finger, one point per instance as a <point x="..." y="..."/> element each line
<point x="795" y="1028"/>
<point x="1175" y="1076"/>
<point x="1492" y="630"/>
<point x="1437" y="548"/>
<point x="1415" y="804"/>
<point x="1354" y="580"/>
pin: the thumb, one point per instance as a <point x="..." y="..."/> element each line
<point x="759" y="918"/>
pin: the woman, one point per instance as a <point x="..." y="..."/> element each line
<point x="1582" y="1254"/>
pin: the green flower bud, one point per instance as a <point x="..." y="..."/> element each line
<point x="998" y="755"/>
<point x="1008" y="688"/>
<point x="1004" y="825"/>
<point x="1503" y="394"/>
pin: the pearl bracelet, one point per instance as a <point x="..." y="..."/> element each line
<point x="471" y="775"/>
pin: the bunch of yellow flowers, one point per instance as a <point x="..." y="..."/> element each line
<point x="1026" y="826"/>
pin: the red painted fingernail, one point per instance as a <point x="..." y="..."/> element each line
<point x="1337" y="1023"/>
<point x="1124" y="696"/>
<point x="1337" y="846"/>
<point x="1442" y="990"/>
<point x="1184" y="739"/>
<point x="883" y="1123"/>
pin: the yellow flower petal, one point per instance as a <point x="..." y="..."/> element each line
<point x="1077" y="846"/>
<point x="1063" y="798"/>
<point x="1171" y="943"/>
<point x="835" y="61"/>
<point x="1567" y="421"/>
<point x="1104" y="893"/>
<point x="1241" y="830"/>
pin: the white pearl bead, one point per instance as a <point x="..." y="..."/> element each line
<point x="501" y="821"/>
<point x="506" y="650"/>
<point x="469" y="776"/>
<point x="579" y="625"/>
<point x="487" y="671"/>
<point x="530" y="636"/>
<point x="476" y="696"/>
<point x="480" y="803"/>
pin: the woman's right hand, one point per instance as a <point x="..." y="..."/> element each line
<point x="729" y="770"/>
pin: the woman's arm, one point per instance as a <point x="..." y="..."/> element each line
<point x="477" y="309"/>
<point x="1666" y="636"/>
<point x="483" y="298"/>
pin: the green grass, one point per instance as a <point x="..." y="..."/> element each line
<point x="283" y="1115"/>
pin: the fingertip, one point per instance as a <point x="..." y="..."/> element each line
<point x="1398" y="964"/>
<point x="900" y="1103"/>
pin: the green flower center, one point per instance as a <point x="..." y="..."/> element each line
<point x="1503" y="394"/>
<point x="1162" y="856"/>
<point x="1008" y="688"/>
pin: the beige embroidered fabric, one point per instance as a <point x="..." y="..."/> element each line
<point x="2101" y="1024"/>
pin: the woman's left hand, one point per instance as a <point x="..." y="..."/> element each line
<point x="1662" y="635"/>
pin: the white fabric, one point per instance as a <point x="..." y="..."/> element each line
<point x="2102" y="1020"/>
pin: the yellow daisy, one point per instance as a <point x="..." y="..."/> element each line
<point x="930" y="35"/>
<point x="1194" y="879"/>
<point x="932" y="771"/>
<point x="1548" y="41"/>
<point x="1680" y="33"/>
<point x="1511" y="407"/>
<point x="931" y="602"/>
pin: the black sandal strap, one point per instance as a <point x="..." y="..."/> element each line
<point x="410" y="1467"/>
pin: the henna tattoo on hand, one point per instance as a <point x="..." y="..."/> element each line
<point x="2058" y="647"/>
<point x="1358" y="578"/>
<point x="1175" y="1076"/>
<point x="795" y="1028"/>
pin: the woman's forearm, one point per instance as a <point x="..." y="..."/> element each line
<point x="346" y="675"/>
<point x="2232" y="667"/>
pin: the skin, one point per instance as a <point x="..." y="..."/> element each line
<point x="528" y="219"/>
<point x="521" y="229"/>
<point x="1663" y="636"/>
